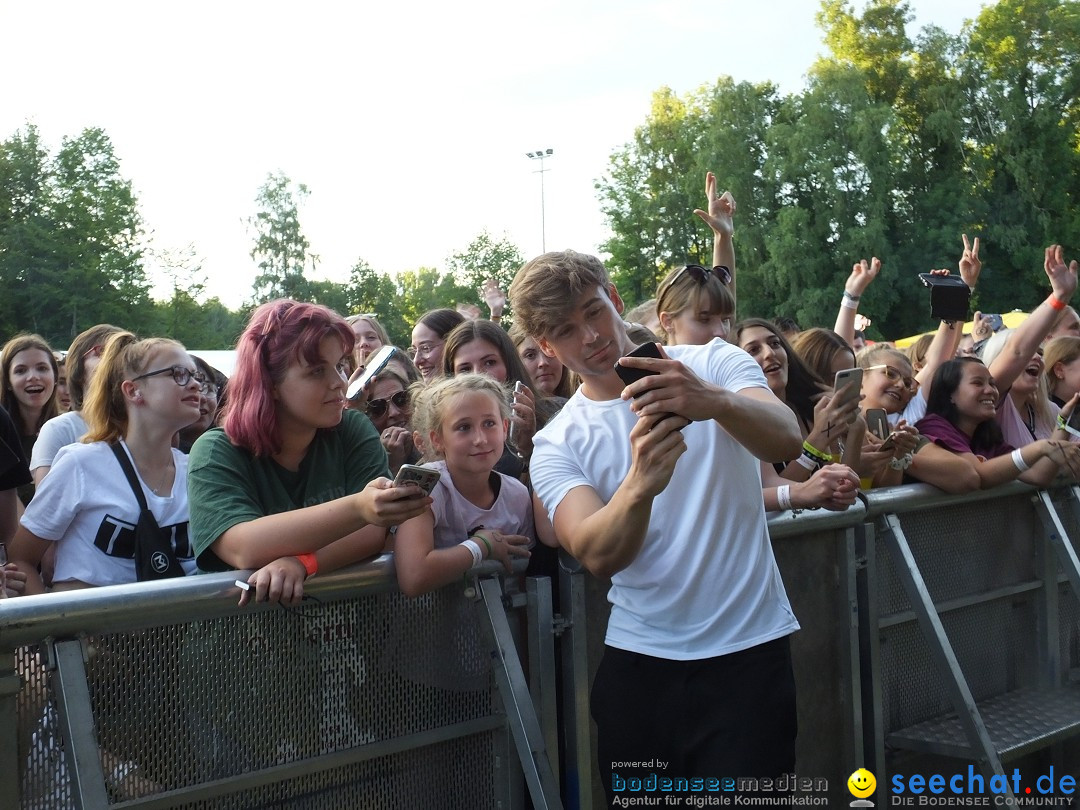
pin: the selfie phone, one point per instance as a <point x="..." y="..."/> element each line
<point x="1073" y="425"/>
<point x="630" y="375"/>
<point x="845" y="376"/>
<point x="877" y="422"/>
<point x="376" y="364"/>
<point x="949" y="297"/>
<point x="994" y="322"/>
<point x="423" y="477"/>
<point x="511" y="437"/>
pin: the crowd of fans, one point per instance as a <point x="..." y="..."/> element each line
<point x="278" y="471"/>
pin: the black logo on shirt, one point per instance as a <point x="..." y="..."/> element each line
<point x="116" y="538"/>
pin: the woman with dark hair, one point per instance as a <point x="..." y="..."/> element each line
<point x="29" y="373"/>
<point x="961" y="416"/>
<point x="291" y="482"/>
<point x="823" y="351"/>
<point x="550" y="377"/>
<point x="428" y="339"/>
<point x="208" y="405"/>
<point x="82" y="360"/>
<point x="483" y="347"/>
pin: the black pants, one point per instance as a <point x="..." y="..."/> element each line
<point x="724" y="717"/>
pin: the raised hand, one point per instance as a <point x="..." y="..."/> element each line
<point x="862" y="273"/>
<point x="969" y="264"/>
<point x="721" y="208"/>
<point x="1062" y="277"/>
<point x="494" y="297"/>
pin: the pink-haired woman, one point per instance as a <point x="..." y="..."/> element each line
<point x="291" y="482"/>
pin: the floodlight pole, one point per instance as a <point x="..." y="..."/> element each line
<point x="540" y="154"/>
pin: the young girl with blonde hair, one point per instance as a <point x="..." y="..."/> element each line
<point x="476" y="513"/>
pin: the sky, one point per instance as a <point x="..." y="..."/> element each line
<point x="408" y="122"/>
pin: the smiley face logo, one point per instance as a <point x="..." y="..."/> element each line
<point x="861" y="783"/>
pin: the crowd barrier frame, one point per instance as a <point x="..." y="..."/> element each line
<point x="899" y="571"/>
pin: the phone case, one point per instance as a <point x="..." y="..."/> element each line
<point x="630" y="375"/>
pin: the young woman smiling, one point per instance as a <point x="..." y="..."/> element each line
<point x="29" y="373"/>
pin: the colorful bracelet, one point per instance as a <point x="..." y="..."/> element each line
<point x="311" y="565"/>
<point x="820" y="455"/>
<point x="1055" y="303"/>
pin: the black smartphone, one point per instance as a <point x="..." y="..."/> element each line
<point x="374" y="365"/>
<point x="423" y="477"/>
<point x="629" y="375"/>
<point x="877" y="422"/>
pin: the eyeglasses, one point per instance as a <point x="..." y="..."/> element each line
<point x="181" y="376"/>
<point x="423" y="350"/>
<point x="699" y="274"/>
<point x="894" y="375"/>
<point x="93" y="350"/>
<point x="377" y="407"/>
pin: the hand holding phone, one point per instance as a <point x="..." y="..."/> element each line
<point x="852" y="378"/>
<point x="423" y="478"/>
<point x="375" y="364"/>
<point x="512" y="436"/>
<point x="630" y="374"/>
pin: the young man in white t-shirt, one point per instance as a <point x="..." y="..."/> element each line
<point x="696" y="677"/>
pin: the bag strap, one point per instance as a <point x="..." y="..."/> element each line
<point x="132" y="477"/>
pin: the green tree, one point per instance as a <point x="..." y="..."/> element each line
<point x="372" y="291"/>
<point x="281" y="250"/>
<point x="485" y="258"/>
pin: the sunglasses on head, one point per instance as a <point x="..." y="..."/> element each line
<point x="699" y="274"/>
<point x="377" y="407"/>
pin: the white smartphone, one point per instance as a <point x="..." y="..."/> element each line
<point x="375" y="364"/>
<point x="511" y="438"/>
<point x="423" y="477"/>
<point x="845" y="376"/>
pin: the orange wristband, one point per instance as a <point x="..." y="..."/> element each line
<point x="1054" y="303"/>
<point x="311" y="565"/>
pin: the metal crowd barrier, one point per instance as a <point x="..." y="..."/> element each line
<point x="167" y="695"/>
<point x="937" y="631"/>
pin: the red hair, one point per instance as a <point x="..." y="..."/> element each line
<point x="279" y="334"/>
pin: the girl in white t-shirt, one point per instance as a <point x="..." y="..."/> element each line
<point x="143" y="392"/>
<point x="476" y="513"/>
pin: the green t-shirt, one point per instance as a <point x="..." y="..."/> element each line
<point x="227" y="485"/>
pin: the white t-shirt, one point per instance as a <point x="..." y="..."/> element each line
<point x="85" y="504"/>
<point x="60" y="431"/>
<point x="915" y="410"/>
<point x="455" y="514"/>
<point x="705" y="582"/>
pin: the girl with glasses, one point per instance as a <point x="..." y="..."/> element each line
<point x="292" y="482"/>
<point x="142" y="393"/>
<point x="428" y="339"/>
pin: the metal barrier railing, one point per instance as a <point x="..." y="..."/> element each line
<point x="166" y="695"/>
<point x="868" y="665"/>
<point x="914" y="606"/>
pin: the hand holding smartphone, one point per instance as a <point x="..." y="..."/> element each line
<point x="512" y="436"/>
<point x="631" y="375"/>
<point x="375" y="364"/>
<point x="423" y="478"/>
<point x="851" y="377"/>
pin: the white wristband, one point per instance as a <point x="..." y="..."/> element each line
<point x="783" y="496"/>
<point x="847" y="303"/>
<point x="474" y="549"/>
<point x="806" y="463"/>
<point x="1018" y="460"/>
